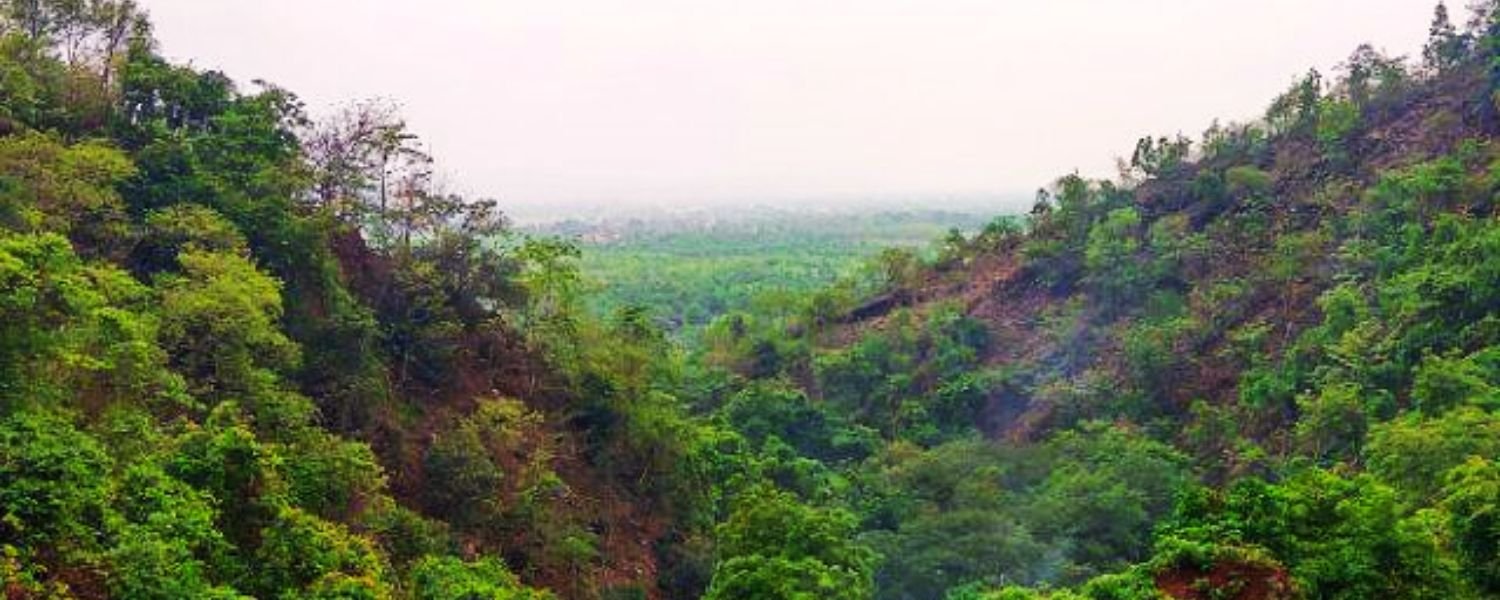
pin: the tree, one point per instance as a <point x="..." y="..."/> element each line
<point x="53" y="484"/>
<point x="1103" y="490"/>
<point x="476" y="274"/>
<point x="1114" y="271"/>
<point x="1333" y="421"/>
<point x="1297" y="108"/>
<point x="1413" y="453"/>
<point x="553" y="284"/>
<point x="301" y="555"/>
<point x="167" y="544"/>
<point x="1337" y="120"/>
<point x="448" y="578"/>
<point x="355" y="154"/>
<point x="73" y="333"/>
<point x="1339" y="536"/>
<point x="219" y="324"/>
<point x="181" y="228"/>
<point x="1445" y="47"/>
<point x="1160" y="157"/>
<point x="775" y="548"/>
<point x="976" y="541"/>
<point x="765" y="410"/>
<point x="464" y="482"/>
<point x="330" y="477"/>
<point x="87" y="34"/>
<point x="899" y="269"/>
<point x="1371" y="77"/>
<point x="69" y="189"/>
<point x="1439" y="384"/>
<point x="1472" y="499"/>
<point x="1247" y="182"/>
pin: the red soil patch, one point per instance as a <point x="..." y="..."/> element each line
<point x="1226" y="581"/>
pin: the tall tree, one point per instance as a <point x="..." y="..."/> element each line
<point x="356" y="154"/>
<point x="1445" y="47"/>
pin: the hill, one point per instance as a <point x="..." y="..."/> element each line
<point x="1254" y="366"/>
<point x="249" y="353"/>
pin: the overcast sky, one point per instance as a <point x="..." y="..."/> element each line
<point x="710" y="101"/>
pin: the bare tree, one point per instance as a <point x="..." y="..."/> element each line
<point x="359" y="156"/>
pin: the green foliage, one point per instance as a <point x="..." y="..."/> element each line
<point x="974" y="512"/>
<point x="1442" y="383"/>
<point x="1333" y="422"/>
<point x="1297" y="108"/>
<point x="1336" y="122"/>
<point x="53" y="483"/>
<point x="892" y="380"/>
<point x="330" y="476"/>
<point x="48" y="186"/>
<point x="553" y="283"/>
<point x="1105" y="489"/>
<point x="300" y="552"/>
<point x="448" y="578"/>
<point x="1115" y="273"/>
<point x="225" y="460"/>
<point x="1149" y="349"/>
<point x="168" y="545"/>
<point x="1178" y="250"/>
<point x="75" y="332"/>
<point x="949" y="519"/>
<point x="777" y="548"/>
<point x="402" y="534"/>
<point x="1160" y="157"/>
<point x="220" y="325"/>
<point x="973" y="543"/>
<point x="1131" y="585"/>
<point x="1413" y="453"/>
<point x="763" y="411"/>
<point x="1055" y="250"/>
<point x="223" y="325"/>
<point x="1341" y="537"/>
<point x="1446" y="48"/>
<point x="1372" y="80"/>
<point x="1247" y="181"/>
<point x="688" y="272"/>
<point x="1471" y="497"/>
<point x="182" y="228"/>
<point x="466" y="482"/>
<point x="163" y="279"/>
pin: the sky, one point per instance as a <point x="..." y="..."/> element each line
<point x="616" y="103"/>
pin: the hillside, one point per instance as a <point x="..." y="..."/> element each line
<point x="246" y="352"/>
<point x="250" y="354"/>
<point x="1258" y="364"/>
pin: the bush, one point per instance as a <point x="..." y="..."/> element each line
<point x="54" y="486"/>
<point x="448" y="578"/>
<point x="775" y="547"/>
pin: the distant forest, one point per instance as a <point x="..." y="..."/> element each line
<point x="689" y="268"/>
<point x="250" y="353"/>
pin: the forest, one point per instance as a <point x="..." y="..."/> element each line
<point x="691" y="267"/>
<point x="250" y="353"/>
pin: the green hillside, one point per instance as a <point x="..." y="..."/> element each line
<point x="246" y="353"/>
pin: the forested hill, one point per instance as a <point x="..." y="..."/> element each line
<point x="246" y="352"/>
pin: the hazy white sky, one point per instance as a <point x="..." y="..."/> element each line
<point x="702" y="101"/>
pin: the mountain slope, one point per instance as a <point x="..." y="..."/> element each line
<point x="1301" y="308"/>
<point x="246" y="353"/>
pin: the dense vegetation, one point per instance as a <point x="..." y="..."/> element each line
<point x="689" y="268"/>
<point x="248" y="353"/>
